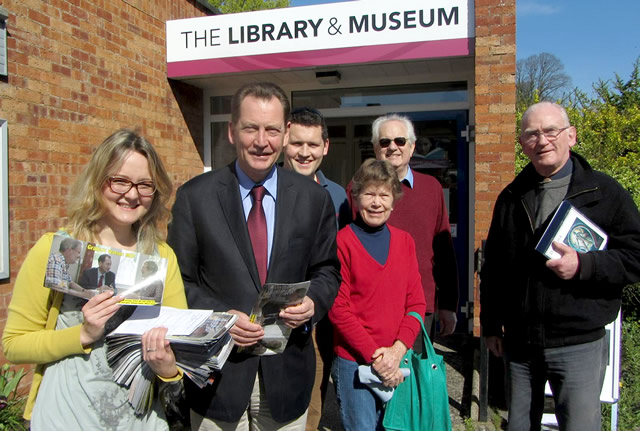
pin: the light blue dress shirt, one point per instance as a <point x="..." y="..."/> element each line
<point x="408" y="177"/>
<point x="270" y="183"/>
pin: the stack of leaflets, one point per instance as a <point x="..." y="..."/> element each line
<point x="272" y="299"/>
<point x="85" y="269"/>
<point x="199" y="338"/>
<point x="569" y="226"/>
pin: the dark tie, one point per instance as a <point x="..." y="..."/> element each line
<point x="257" y="225"/>
<point x="100" y="280"/>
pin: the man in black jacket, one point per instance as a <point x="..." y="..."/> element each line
<point x="547" y="316"/>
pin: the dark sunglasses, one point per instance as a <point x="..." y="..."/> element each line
<point x="399" y="141"/>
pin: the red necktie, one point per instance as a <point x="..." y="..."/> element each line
<point x="257" y="225"/>
<point x="100" y="280"/>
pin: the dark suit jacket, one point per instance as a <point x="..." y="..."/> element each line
<point x="210" y="238"/>
<point x="89" y="279"/>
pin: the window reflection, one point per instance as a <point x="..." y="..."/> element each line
<point x="383" y="96"/>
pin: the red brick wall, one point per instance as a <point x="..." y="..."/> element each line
<point x="495" y="98"/>
<point x="78" y="71"/>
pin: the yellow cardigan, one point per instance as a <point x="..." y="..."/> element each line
<point x="29" y="335"/>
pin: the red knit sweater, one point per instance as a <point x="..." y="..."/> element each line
<point x="371" y="308"/>
<point x="422" y="212"/>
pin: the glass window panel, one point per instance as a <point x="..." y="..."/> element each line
<point x="223" y="152"/>
<point x="337" y="131"/>
<point x="382" y="96"/>
<point x="220" y="105"/>
<point x="436" y="154"/>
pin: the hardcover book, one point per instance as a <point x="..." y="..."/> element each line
<point x="571" y="227"/>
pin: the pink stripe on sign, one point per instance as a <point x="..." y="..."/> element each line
<point x="322" y="57"/>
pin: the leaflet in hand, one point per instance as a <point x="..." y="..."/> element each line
<point x="199" y="339"/>
<point x="569" y="226"/>
<point x="85" y="269"/>
<point x="272" y="299"/>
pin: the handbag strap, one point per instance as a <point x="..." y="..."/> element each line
<point x="426" y="342"/>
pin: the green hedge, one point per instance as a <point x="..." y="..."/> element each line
<point x="629" y="403"/>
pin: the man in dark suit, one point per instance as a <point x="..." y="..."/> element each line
<point x="226" y="254"/>
<point x="99" y="277"/>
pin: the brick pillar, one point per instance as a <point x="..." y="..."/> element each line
<point x="495" y="107"/>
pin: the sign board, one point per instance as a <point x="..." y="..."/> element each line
<point x="327" y="34"/>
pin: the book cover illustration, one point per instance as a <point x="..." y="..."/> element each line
<point x="573" y="228"/>
<point x="85" y="269"/>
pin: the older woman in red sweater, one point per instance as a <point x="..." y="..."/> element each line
<point x="380" y="285"/>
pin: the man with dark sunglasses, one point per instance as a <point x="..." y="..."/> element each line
<point x="422" y="212"/>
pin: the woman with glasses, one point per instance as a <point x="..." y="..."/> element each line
<point x="117" y="201"/>
<point x="380" y="285"/>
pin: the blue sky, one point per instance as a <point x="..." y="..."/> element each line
<point x="593" y="39"/>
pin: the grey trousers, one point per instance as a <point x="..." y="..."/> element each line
<point x="575" y="374"/>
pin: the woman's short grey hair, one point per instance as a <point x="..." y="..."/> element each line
<point x="374" y="171"/>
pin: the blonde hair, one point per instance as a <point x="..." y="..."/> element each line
<point x="86" y="205"/>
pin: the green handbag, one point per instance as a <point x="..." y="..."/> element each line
<point x="421" y="402"/>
